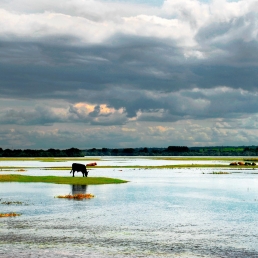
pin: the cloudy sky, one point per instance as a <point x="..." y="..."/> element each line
<point x="128" y="73"/>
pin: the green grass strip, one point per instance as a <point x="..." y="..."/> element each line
<point x="60" y="180"/>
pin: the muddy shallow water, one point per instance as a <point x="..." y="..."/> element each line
<point x="159" y="213"/>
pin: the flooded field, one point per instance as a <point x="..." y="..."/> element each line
<point x="159" y="213"/>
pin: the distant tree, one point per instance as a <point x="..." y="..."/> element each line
<point x="178" y="149"/>
<point x="114" y="151"/>
<point x="7" y="153"/>
<point x="92" y="150"/>
<point x="30" y="153"/>
<point x="156" y="151"/>
<point x="145" y="150"/>
<point x="73" y="152"/>
<point x="128" y="151"/>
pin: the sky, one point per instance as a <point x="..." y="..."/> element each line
<point x="119" y="74"/>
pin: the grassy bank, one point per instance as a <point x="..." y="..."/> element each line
<point x="60" y="180"/>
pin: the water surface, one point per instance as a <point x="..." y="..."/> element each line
<point x="159" y="213"/>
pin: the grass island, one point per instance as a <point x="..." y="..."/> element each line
<point x="60" y="180"/>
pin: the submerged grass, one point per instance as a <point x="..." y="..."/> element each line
<point x="12" y="169"/>
<point x="60" y="180"/>
<point x="11" y="214"/>
<point x="76" y="196"/>
<point x="12" y="202"/>
<point x="220" y="173"/>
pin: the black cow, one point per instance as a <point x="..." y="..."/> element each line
<point x="79" y="168"/>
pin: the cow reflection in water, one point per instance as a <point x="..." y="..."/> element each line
<point x="79" y="189"/>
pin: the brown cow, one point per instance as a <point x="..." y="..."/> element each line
<point x="92" y="164"/>
<point x="233" y="164"/>
<point x="241" y="163"/>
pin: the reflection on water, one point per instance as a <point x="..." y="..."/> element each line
<point x="159" y="213"/>
<point x="79" y="189"/>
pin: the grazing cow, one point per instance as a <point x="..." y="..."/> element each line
<point x="233" y="164"/>
<point x="253" y="164"/>
<point x="248" y="164"/>
<point x="79" y="168"/>
<point x="241" y="163"/>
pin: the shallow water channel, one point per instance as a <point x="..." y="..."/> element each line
<point x="159" y="213"/>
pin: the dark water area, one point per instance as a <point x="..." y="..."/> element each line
<point x="159" y="213"/>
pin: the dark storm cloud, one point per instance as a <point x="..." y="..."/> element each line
<point x="221" y="102"/>
<point x="142" y="64"/>
<point x="99" y="68"/>
<point x="39" y="116"/>
<point x="48" y="116"/>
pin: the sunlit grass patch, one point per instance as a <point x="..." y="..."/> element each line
<point x="76" y="196"/>
<point x="60" y="180"/>
<point x="12" y="214"/>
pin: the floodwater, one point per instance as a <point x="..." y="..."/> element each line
<point x="118" y="161"/>
<point x="159" y="213"/>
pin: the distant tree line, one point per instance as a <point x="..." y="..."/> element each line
<point x="175" y="151"/>
<point x="169" y="151"/>
<point x="72" y="152"/>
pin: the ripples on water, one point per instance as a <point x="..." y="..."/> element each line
<point x="159" y="213"/>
